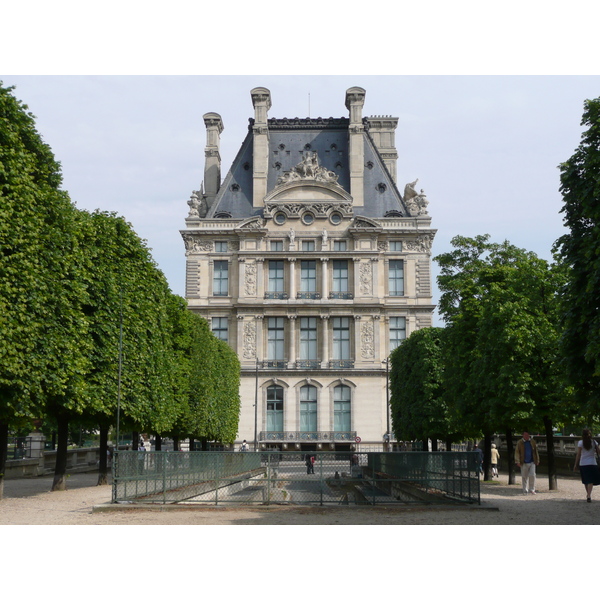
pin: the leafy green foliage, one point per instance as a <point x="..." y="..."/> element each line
<point x="580" y="250"/>
<point x="419" y="410"/>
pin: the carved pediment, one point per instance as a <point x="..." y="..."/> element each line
<point x="308" y="169"/>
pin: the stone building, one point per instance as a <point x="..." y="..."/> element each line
<point x="311" y="264"/>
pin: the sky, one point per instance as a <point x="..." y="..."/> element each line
<point x="486" y="149"/>
<point x="489" y="99"/>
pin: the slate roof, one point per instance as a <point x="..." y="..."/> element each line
<point x="288" y="140"/>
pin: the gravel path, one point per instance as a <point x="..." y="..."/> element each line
<point x="29" y="502"/>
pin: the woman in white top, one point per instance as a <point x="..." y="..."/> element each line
<point x="585" y="461"/>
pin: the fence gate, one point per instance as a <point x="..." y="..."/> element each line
<point x="318" y="478"/>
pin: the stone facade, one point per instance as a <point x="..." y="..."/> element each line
<point x="313" y="266"/>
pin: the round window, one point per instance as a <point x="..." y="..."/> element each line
<point x="308" y="218"/>
<point x="335" y="218"/>
<point x="280" y="218"/>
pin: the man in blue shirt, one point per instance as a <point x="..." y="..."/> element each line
<point x="527" y="458"/>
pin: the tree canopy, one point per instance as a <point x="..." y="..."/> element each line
<point x="580" y="250"/>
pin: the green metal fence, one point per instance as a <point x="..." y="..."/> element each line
<point x="346" y="478"/>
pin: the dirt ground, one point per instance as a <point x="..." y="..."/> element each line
<point x="29" y="502"/>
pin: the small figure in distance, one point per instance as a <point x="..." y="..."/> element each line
<point x="244" y="446"/>
<point x="495" y="460"/>
<point x="527" y="458"/>
<point x="585" y="461"/>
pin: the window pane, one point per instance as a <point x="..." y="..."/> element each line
<point x="275" y="342"/>
<point x="275" y="408"/>
<point x="308" y="338"/>
<point x="395" y="246"/>
<point x="396" y="277"/>
<point x="341" y="408"/>
<point x="277" y="246"/>
<point x="308" y="246"/>
<point x="339" y="245"/>
<point x="308" y="408"/>
<point x="308" y="276"/>
<point x="220" y="328"/>
<point x="220" y="278"/>
<point x="340" y="275"/>
<point x="397" y="331"/>
<point x="341" y="338"/>
<point x="275" y="276"/>
<point x="220" y="246"/>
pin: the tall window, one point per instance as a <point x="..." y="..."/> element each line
<point x="308" y="338"/>
<point x="397" y="331"/>
<point x="275" y="276"/>
<point x="220" y="328"/>
<point x="308" y="408"/>
<point x="340" y="275"/>
<point x="396" y="277"/>
<point x="221" y="278"/>
<point x="341" y="338"/>
<point x="275" y="341"/>
<point x="308" y="276"/>
<point x="341" y="408"/>
<point x="275" y="408"/>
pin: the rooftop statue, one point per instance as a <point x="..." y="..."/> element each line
<point x="416" y="202"/>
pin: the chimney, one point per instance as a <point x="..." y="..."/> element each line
<point x="261" y="100"/>
<point x="212" y="164"/>
<point x="355" y="100"/>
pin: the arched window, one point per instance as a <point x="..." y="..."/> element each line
<point x="342" y="395"/>
<point x="308" y="408"/>
<point x="275" y="408"/>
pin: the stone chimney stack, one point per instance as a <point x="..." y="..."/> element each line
<point x="382" y="129"/>
<point x="355" y="100"/>
<point x="212" y="164"/>
<point x="261" y="100"/>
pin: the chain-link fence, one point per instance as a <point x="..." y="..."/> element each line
<point x="344" y="478"/>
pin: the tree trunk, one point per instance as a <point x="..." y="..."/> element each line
<point x="60" y="470"/>
<point x="103" y="464"/>
<point x="552" y="483"/>
<point x="157" y="443"/>
<point x="425" y="445"/>
<point x="175" y="443"/>
<point x="434" y="444"/>
<point x="510" y="458"/>
<point x="487" y="456"/>
<point x="448" y="445"/>
<point x="191" y="446"/>
<point x="204" y="444"/>
<point x="135" y="437"/>
<point x="3" y="453"/>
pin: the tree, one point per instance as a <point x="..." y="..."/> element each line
<point x="501" y="305"/>
<point x="419" y="410"/>
<point x="38" y="356"/>
<point x="580" y="250"/>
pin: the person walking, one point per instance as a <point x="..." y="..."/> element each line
<point x="310" y="464"/>
<point x="527" y="458"/>
<point x="585" y="461"/>
<point x="495" y="459"/>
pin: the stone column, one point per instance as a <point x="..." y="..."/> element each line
<point x="292" y="285"/>
<point x="292" y="344"/>
<point x="324" y="278"/>
<point x="324" y="341"/>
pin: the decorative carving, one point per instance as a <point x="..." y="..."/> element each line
<point x="256" y="223"/>
<point x="367" y="340"/>
<point x="308" y="168"/>
<point x="194" y="246"/>
<point x="366" y="278"/>
<point x="250" y="279"/>
<point x="421" y="244"/>
<point x="250" y="339"/>
<point x="382" y="246"/>
<point x="416" y="202"/>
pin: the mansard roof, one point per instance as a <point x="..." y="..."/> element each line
<point x="289" y="141"/>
